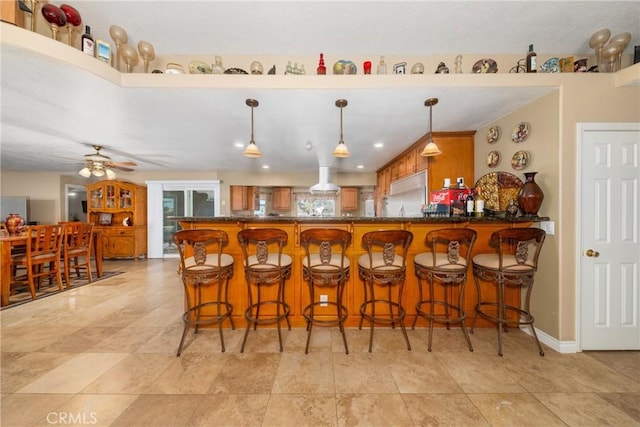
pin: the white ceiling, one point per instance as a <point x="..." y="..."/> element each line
<point x="52" y="113"/>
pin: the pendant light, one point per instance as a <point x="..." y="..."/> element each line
<point x="341" y="150"/>
<point x="252" y="149"/>
<point x="431" y="149"/>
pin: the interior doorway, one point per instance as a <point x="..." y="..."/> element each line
<point x="75" y="203"/>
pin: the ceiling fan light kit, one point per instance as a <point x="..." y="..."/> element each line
<point x="252" y="149"/>
<point x="99" y="165"/>
<point x="341" y="150"/>
<point x="431" y="149"/>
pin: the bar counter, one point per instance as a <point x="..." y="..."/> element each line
<point x="296" y="291"/>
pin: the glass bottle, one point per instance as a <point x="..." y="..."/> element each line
<point x="88" y="44"/>
<point x="479" y="203"/>
<point x="470" y="204"/>
<point x="217" y="67"/>
<point x="531" y="60"/>
<point x="321" y="70"/>
<point x="382" y="67"/>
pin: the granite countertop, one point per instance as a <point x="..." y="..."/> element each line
<point x="348" y="219"/>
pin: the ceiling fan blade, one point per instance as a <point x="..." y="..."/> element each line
<point x="125" y="164"/>
<point x="122" y="168"/>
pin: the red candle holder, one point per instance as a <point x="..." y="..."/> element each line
<point x="73" y="20"/>
<point x="55" y="17"/>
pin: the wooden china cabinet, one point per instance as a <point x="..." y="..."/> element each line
<point x="119" y="211"/>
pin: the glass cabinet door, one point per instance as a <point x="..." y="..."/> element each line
<point x="95" y="198"/>
<point x="110" y="200"/>
<point x="125" y="199"/>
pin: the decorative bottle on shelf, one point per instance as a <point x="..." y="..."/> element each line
<point x="321" y="70"/>
<point x="530" y="195"/>
<point x="88" y="44"/>
<point x="382" y="67"/>
<point x="470" y="204"/>
<point x="217" y="67"/>
<point x="531" y="60"/>
<point x="479" y="203"/>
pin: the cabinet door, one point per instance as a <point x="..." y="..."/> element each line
<point x="282" y="199"/>
<point x="125" y="197"/>
<point x="238" y="198"/>
<point x="410" y="162"/>
<point x="349" y="198"/>
<point x="96" y="198"/>
<point x="110" y="196"/>
<point x="422" y="162"/>
<point x="401" y="164"/>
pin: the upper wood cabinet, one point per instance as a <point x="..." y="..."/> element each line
<point x="349" y="198"/>
<point x="244" y="198"/>
<point x="281" y="198"/>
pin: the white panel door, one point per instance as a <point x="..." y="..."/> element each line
<point x="610" y="248"/>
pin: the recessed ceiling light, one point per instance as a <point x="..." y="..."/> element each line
<point x="360" y="166"/>
<point x="238" y="144"/>
<point x="378" y="144"/>
<point x="265" y="166"/>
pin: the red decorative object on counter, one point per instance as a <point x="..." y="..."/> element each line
<point x="530" y="195"/>
<point x="55" y="17"/>
<point x="14" y="224"/>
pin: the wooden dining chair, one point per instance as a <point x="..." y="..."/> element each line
<point x="76" y="249"/>
<point x="42" y="257"/>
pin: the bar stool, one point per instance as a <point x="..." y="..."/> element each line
<point x="446" y="263"/>
<point x="384" y="266"/>
<point x="324" y="266"/>
<point x="265" y="266"/>
<point x="205" y="271"/>
<point x="513" y="266"/>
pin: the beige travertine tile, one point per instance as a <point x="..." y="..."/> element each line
<point x="247" y="373"/>
<point x="305" y="373"/>
<point x="75" y="374"/>
<point x="133" y="374"/>
<point x="372" y="409"/>
<point x="442" y="409"/>
<point x="81" y="340"/>
<point x="363" y="373"/>
<point x="479" y="373"/>
<point x="624" y="362"/>
<point x="264" y="340"/>
<point x="300" y="410"/>
<point x="208" y="340"/>
<point x="160" y="410"/>
<point x="514" y="409"/>
<point x="126" y="340"/>
<point x="629" y="403"/>
<point x="235" y="409"/>
<point x="19" y="369"/>
<point x="191" y="373"/>
<point x="584" y="409"/>
<point x="13" y="339"/>
<point x="26" y="409"/>
<point x="416" y="372"/>
<point x="88" y="409"/>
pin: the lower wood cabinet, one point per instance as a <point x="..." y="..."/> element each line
<point x="123" y="242"/>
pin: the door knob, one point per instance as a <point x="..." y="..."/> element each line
<point x="592" y="253"/>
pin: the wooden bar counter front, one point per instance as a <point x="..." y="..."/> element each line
<point x="296" y="290"/>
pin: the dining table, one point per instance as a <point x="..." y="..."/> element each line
<point x="8" y="242"/>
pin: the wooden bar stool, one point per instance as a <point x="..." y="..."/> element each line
<point x="384" y="267"/>
<point x="512" y="266"/>
<point x="446" y="263"/>
<point x="325" y="266"/>
<point x="205" y="272"/>
<point x="265" y="266"/>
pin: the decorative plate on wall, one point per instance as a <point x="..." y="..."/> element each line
<point x="497" y="189"/>
<point x="493" y="159"/>
<point x="493" y="135"/>
<point x="520" y="132"/>
<point x="520" y="160"/>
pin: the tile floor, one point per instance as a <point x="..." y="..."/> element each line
<point x="104" y="355"/>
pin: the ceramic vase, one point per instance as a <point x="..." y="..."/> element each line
<point x="530" y="195"/>
<point x="14" y="224"/>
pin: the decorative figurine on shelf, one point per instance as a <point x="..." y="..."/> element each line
<point x="217" y="67"/>
<point x="382" y="67"/>
<point x="366" y="67"/>
<point x="512" y="210"/>
<point x="442" y="69"/>
<point x="119" y="36"/>
<point x="400" y="68"/>
<point x="321" y="70"/>
<point x="55" y="17"/>
<point x="256" y="68"/>
<point x="73" y="20"/>
<point x="272" y="70"/>
<point x="458" y="64"/>
<point x="417" y="68"/>
<point x="147" y="53"/>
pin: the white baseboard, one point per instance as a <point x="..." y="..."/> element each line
<point x="554" y="343"/>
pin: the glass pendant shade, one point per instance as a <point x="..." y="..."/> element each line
<point x="341" y="150"/>
<point x="130" y="56"/>
<point x="119" y="36"/>
<point x="252" y="149"/>
<point x="431" y="149"/>
<point x="85" y="172"/>
<point x="147" y="53"/>
<point x="110" y="174"/>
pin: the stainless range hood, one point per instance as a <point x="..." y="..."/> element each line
<point x="324" y="186"/>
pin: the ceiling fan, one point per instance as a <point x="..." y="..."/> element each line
<point x="99" y="165"/>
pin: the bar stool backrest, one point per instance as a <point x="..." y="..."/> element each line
<point x="262" y="248"/>
<point x="387" y="249"/>
<point x="450" y="248"/>
<point x="325" y="241"/>
<point x="201" y="249"/>
<point x="518" y="248"/>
